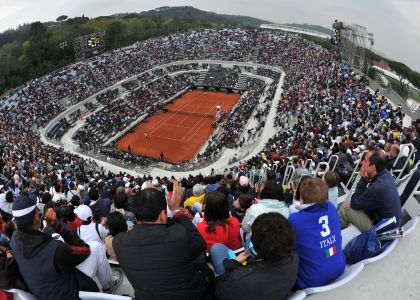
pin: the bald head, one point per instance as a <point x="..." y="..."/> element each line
<point x="394" y="150"/>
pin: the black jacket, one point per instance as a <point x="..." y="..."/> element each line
<point x="48" y="266"/>
<point x="161" y="260"/>
<point x="258" y="279"/>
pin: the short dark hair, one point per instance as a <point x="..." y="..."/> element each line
<point x="245" y="201"/>
<point x="9" y="196"/>
<point x="216" y="210"/>
<point x="75" y="200"/>
<point x="272" y="236"/>
<point x="120" y="200"/>
<point x="148" y="204"/>
<point x="116" y="223"/>
<point x="272" y="190"/>
<point x="378" y="159"/>
<point x="93" y="194"/>
<point x="332" y="179"/>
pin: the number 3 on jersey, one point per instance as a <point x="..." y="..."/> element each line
<point x="325" y="228"/>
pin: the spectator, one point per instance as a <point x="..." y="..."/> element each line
<point x="392" y="159"/>
<point x="120" y="203"/>
<point x="271" y="274"/>
<point x="48" y="266"/>
<point x="89" y="230"/>
<point x="218" y="226"/>
<point x="116" y="223"/>
<point x="332" y="179"/>
<point x="318" y="236"/>
<point x="241" y="205"/>
<point x="271" y="201"/>
<point x="72" y="191"/>
<point x="100" y="206"/>
<point x="376" y="196"/>
<point x="72" y="220"/>
<point x="6" y="201"/>
<point x="197" y="197"/>
<point x="97" y="265"/>
<point x="163" y="260"/>
<point x="243" y="186"/>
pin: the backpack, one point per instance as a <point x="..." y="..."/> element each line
<point x="96" y="228"/>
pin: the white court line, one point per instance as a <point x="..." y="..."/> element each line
<point x="202" y="123"/>
<point x="191" y="128"/>
<point x="163" y="121"/>
<point x="168" y="138"/>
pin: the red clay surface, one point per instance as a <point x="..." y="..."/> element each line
<point x="178" y="136"/>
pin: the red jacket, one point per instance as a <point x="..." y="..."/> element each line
<point x="229" y="236"/>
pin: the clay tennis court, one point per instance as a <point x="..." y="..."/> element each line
<point x="178" y="135"/>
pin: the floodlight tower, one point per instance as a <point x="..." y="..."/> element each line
<point x="349" y="40"/>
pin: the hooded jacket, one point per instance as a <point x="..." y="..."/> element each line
<point x="48" y="265"/>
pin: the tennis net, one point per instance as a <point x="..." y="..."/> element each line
<point x="183" y="112"/>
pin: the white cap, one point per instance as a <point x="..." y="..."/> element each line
<point x="56" y="198"/>
<point x="83" y="212"/>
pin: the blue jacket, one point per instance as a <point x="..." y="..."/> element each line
<point x="378" y="198"/>
<point x="318" y="244"/>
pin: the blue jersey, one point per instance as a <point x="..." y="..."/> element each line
<point x="318" y="244"/>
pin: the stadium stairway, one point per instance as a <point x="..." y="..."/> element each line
<point x="241" y="84"/>
<point x="50" y="91"/>
<point x="201" y="78"/>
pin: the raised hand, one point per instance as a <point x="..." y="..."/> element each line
<point x="51" y="217"/>
<point x="175" y="202"/>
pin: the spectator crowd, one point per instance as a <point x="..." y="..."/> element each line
<point x="199" y="237"/>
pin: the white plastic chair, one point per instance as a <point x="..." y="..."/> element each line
<point x="348" y="234"/>
<point x="113" y="262"/>
<point x="380" y="256"/>
<point x="412" y="205"/>
<point x="298" y="295"/>
<point x="349" y="273"/>
<point x="101" y="296"/>
<point x="410" y="225"/>
<point x="21" y="295"/>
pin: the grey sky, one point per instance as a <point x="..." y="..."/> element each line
<point x="395" y="23"/>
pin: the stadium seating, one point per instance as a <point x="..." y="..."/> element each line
<point x="22" y="295"/>
<point x="82" y="82"/>
<point x="410" y="225"/>
<point x="298" y="295"/>
<point x="349" y="273"/>
<point x="412" y="205"/>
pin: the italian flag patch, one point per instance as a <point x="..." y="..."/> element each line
<point x="331" y="251"/>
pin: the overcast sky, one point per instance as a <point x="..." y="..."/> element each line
<point x="395" y="23"/>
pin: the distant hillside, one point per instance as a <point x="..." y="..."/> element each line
<point x="33" y="50"/>
<point x="200" y="16"/>
<point x="311" y="27"/>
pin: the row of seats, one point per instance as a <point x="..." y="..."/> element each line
<point x="411" y="207"/>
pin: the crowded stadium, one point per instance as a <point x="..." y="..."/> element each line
<point x="110" y="168"/>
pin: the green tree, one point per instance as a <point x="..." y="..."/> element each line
<point x="114" y="35"/>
